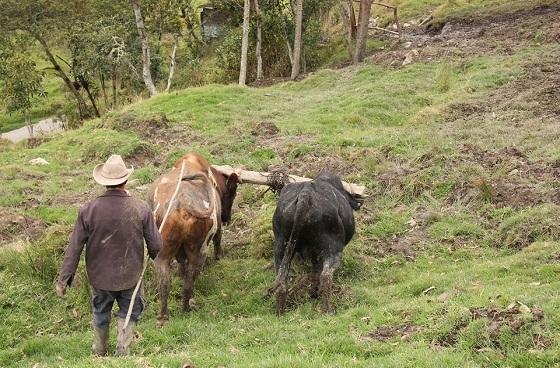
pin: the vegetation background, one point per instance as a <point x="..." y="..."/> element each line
<point x="456" y="257"/>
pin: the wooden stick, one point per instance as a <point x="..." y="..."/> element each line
<point x="261" y="178"/>
<point x="132" y="300"/>
<point x="385" y="30"/>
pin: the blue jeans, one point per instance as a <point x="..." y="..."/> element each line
<point x="102" y="303"/>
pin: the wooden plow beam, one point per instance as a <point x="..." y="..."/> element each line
<point x="263" y="178"/>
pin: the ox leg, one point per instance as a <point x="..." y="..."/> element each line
<point x="326" y="281"/>
<point x="163" y="267"/>
<point x="188" y="282"/>
<point x="314" y="277"/>
<point x="217" y="240"/>
<point x="192" y="269"/>
<point x="280" y="285"/>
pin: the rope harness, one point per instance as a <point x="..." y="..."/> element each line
<point x="277" y="180"/>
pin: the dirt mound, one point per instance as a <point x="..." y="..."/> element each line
<point x="265" y="128"/>
<point x="14" y="226"/>
<point x="387" y="333"/>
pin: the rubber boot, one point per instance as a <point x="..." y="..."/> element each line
<point x="124" y="337"/>
<point x="101" y="341"/>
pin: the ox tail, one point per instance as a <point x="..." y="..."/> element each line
<point x="303" y="202"/>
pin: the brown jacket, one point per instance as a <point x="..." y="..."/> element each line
<point x="114" y="227"/>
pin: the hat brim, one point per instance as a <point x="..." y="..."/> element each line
<point x="100" y="179"/>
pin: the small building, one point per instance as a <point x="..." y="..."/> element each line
<point x="213" y="22"/>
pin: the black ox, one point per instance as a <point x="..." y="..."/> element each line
<point x="316" y="220"/>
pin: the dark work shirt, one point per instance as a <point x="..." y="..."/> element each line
<point x="113" y="227"/>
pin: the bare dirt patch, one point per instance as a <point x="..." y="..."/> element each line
<point x="312" y="164"/>
<point x="14" y="226"/>
<point x="514" y="318"/>
<point x="509" y="178"/>
<point x="303" y="287"/>
<point x="459" y="38"/>
<point x="156" y="129"/>
<point x="521" y="184"/>
<point x="387" y="333"/>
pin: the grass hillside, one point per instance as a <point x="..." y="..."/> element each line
<point x="456" y="258"/>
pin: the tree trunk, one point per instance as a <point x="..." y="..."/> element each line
<point x="290" y="53"/>
<point x="29" y="125"/>
<point x="90" y="96"/>
<point x="114" y="85"/>
<point x="296" y="64"/>
<point x="172" y="66"/>
<point x="352" y="19"/>
<point x="244" y="43"/>
<point x="259" y="42"/>
<point x="146" y="72"/>
<point x="361" y="40"/>
<point x="105" y="97"/>
<point x="349" y="19"/>
<point x="82" y="107"/>
<point x="303" y="61"/>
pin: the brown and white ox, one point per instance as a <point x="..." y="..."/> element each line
<point x="202" y="204"/>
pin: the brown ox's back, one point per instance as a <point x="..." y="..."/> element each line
<point x="187" y="230"/>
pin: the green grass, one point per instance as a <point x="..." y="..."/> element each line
<point x="405" y="133"/>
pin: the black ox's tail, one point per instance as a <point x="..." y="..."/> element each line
<point x="303" y="202"/>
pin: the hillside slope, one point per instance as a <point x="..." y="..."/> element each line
<point x="456" y="257"/>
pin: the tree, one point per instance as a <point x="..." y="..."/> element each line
<point x="42" y="19"/>
<point x="296" y="60"/>
<point x="173" y="63"/>
<point x="363" y="27"/>
<point x="146" y="61"/>
<point x="349" y="19"/>
<point x="259" y="42"/>
<point x="22" y="82"/>
<point x="244" y="43"/>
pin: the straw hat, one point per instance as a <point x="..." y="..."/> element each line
<point x="112" y="172"/>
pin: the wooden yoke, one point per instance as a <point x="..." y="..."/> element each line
<point x="262" y="178"/>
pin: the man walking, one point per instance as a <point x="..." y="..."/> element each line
<point x="114" y="227"/>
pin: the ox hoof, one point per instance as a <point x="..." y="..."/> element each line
<point x="187" y="307"/>
<point x="327" y="309"/>
<point x="162" y="320"/>
<point x="271" y="290"/>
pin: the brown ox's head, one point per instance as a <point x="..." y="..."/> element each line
<point x="227" y="186"/>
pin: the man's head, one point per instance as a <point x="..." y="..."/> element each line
<point x="120" y="186"/>
<point x="113" y="173"/>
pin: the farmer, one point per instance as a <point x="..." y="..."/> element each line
<point x="114" y="227"/>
